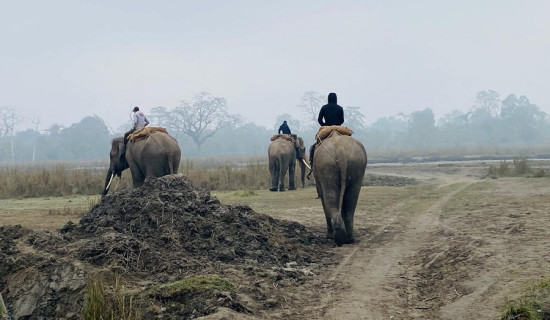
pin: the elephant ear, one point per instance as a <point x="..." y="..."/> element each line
<point x="298" y="142"/>
<point x="123" y="161"/>
<point x="122" y="157"/>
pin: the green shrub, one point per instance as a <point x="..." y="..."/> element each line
<point x="521" y="311"/>
<point x="534" y="304"/>
<point x="521" y="167"/>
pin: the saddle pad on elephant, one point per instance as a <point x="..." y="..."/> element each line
<point x="282" y="136"/>
<point x="325" y="131"/>
<point x="145" y="132"/>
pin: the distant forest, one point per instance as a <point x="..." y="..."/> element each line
<point x="204" y="128"/>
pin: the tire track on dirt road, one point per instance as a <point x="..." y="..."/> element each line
<point x="369" y="272"/>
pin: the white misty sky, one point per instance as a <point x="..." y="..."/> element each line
<point x="62" y="60"/>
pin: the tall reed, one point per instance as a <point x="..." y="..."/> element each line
<point x="61" y="179"/>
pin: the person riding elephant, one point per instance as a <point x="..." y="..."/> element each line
<point x="139" y="121"/>
<point x="153" y="153"/>
<point x="283" y="152"/>
<point x="284" y="128"/>
<point x="339" y="166"/>
<point x="331" y="114"/>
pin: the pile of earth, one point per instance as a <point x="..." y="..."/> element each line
<point x="163" y="233"/>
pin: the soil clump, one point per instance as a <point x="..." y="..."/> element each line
<point x="174" y="249"/>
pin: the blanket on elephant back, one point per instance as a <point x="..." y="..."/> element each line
<point x="326" y="131"/>
<point x="288" y="137"/>
<point x="145" y="132"/>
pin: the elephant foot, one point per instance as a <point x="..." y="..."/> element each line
<point x="272" y="189"/>
<point x="292" y="188"/>
<point x="340" y="237"/>
<point x="350" y="240"/>
<point x="282" y="189"/>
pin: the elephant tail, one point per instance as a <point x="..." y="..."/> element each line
<point x="343" y="164"/>
<point x="343" y="178"/>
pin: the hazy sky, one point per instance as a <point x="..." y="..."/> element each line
<point x="63" y="60"/>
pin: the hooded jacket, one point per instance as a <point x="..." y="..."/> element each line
<point x="139" y="120"/>
<point x="331" y="114"/>
<point x="284" y="128"/>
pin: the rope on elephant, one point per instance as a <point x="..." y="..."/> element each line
<point x="287" y="137"/>
<point x="334" y="156"/>
<point x="145" y="132"/>
<point x="327" y="131"/>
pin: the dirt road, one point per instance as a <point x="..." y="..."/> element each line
<point x="455" y="246"/>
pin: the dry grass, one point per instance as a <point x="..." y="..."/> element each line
<point x="522" y="168"/>
<point x="54" y="180"/>
<point x="113" y="303"/>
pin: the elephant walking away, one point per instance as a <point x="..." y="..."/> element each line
<point x="283" y="152"/>
<point x="151" y="152"/>
<point x="339" y="165"/>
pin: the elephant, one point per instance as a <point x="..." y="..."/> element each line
<point x="339" y="165"/>
<point x="283" y="152"/>
<point x="155" y="154"/>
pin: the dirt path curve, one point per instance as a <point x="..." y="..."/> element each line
<point x="371" y="269"/>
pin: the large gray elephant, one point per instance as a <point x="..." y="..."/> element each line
<point x="283" y="152"/>
<point x="339" y="165"/>
<point x="155" y="155"/>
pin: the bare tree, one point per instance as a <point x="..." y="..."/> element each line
<point x="201" y="117"/>
<point x="36" y="122"/>
<point x="354" y="118"/>
<point x="310" y="105"/>
<point x="488" y="101"/>
<point x="8" y="123"/>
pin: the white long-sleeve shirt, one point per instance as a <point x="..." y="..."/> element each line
<point x="139" y="120"/>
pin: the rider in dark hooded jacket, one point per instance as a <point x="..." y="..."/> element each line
<point x="331" y="114"/>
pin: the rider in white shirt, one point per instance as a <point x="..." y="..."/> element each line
<point x="139" y="120"/>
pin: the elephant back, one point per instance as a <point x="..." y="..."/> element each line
<point x="326" y="132"/>
<point x="145" y="132"/>
<point x="287" y="137"/>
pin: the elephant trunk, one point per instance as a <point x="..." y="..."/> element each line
<point x="108" y="180"/>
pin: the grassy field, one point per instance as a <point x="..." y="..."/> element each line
<point x="48" y="213"/>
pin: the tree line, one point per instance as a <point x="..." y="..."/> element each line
<point x="204" y="128"/>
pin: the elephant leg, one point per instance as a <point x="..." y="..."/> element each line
<point x="158" y="169"/>
<point x="330" y="231"/>
<point x="331" y="206"/>
<point x="274" y="172"/>
<point x="137" y="176"/>
<point x="291" y="173"/>
<point x="282" y="176"/>
<point x="348" y="209"/>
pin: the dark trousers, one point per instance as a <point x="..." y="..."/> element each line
<point x="129" y="132"/>
<point x="311" y="153"/>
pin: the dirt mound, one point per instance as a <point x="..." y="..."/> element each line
<point x="161" y="233"/>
